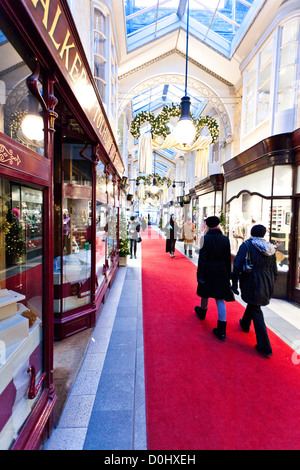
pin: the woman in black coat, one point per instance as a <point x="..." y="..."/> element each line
<point x="256" y="286"/>
<point x="213" y="274"/>
<point x="171" y="231"/>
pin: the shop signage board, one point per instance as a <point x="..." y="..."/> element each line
<point x="53" y="24"/>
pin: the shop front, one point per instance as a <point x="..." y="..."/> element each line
<point x="259" y="190"/>
<point x="60" y="173"/>
<point x="294" y="287"/>
<point x="207" y="200"/>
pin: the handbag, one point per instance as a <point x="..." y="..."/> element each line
<point x="139" y="239"/>
<point x="247" y="264"/>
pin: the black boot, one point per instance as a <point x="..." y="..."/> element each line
<point x="201" y="312"/>
<point x="246" y="329"/>
<point x="190" y="253"/>
<point x="220" y="331"/>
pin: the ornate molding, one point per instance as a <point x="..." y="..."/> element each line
<point x="199" y="87"/>
<point x="167" y="54"/>
<point x="7" y="156"/>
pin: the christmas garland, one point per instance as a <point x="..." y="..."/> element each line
<point x="159" y="124"/>
<point x="152" y="196"/>
<point x="160" y="180"/>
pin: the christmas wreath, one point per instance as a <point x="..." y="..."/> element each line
<point x="139" y="119"/>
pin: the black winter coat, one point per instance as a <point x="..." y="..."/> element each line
<point x="171" y="235"/>
<point x="257" y="286"/>
<point x="214" y="266"/>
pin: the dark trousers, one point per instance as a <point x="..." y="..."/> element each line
<point x="172" y="245"/>
<point x="254" y="312"/>
<point x="133" y="244"/>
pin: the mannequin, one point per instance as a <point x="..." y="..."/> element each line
<point x="239" y="232"/>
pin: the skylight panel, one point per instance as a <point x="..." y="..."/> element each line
<point x="219" y="23"/>
<point x="142" y="13"/>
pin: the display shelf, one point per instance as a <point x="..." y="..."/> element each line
<point x="16" y="354"/>
<point x="8" y="303"/>
<point x="13" y="329"/>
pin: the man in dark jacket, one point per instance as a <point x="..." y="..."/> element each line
<point x="213" y="274"/>
<point x="257" y="285"/>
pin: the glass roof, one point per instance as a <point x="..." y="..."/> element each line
<point x="155" y="98"/>
<point x="221" y="24"/>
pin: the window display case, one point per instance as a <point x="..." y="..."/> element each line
<point x="208" y="202"/>
<point x="21" y="304"/>
<point x="207" y="205"/>
<point x="101" y="227"/>
<point x="51" y="137"/>
<point x="271" y="208"/>
<point x="73" y="223"/>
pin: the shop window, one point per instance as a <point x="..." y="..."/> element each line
<point x="21" y="115"/>
<point x="275" y="214"/>
<point x="287" y="65"/>
<point x="264" y="80"/>
<point x="242" y="213"/>
<point x="208" y="205"/>
<point x="101" y="238"/>
<point x="257" y="84"/>
<point x="280" y="231"/>
<point x="114" y="85"/>
<point x="101" y="225"/>
<point x="21" y="301"/>
<point x="111" y="220"/>
<point x="99" y="50"/>
<point x="250" y="88"/>
<point x="74" y="225"/>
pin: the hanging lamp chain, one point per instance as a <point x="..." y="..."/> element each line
<point x="187" y="44"/>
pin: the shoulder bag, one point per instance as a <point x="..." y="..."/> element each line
<point x="247" y="264"/>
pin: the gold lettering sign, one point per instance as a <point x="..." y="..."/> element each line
<point x="50" y="18"/>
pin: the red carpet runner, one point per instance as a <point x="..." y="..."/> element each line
<point x="202" y="393"/>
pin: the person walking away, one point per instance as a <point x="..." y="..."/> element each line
<point x="171" y="231"/>
<point x="133" y="234"/>
<point x="188" y="235"/>
<point x="256" y="286"/>
<point x="213" y="274"/>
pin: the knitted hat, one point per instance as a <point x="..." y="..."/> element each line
<point x="258" y="231"/>
<point x="212" y="221"/>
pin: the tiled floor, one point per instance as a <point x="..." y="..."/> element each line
<point x="106" y="406"/>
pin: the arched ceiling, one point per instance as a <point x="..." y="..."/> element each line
<point x="152" y="49"/>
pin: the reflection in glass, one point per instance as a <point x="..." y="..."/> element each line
<point x="208" y="205"/>
<point x="74" y="223"/>
<point x="18" y="108"/>
<point x="248" y="210"/>
<point x="101" y="238"/>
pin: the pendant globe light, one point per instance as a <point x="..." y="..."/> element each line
<point x="185" y="131"/>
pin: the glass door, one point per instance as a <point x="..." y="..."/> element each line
<point x="296" y="280"/>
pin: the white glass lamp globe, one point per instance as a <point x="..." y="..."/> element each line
<point x="184" y="131"/>
<point x="33" y="127"/>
